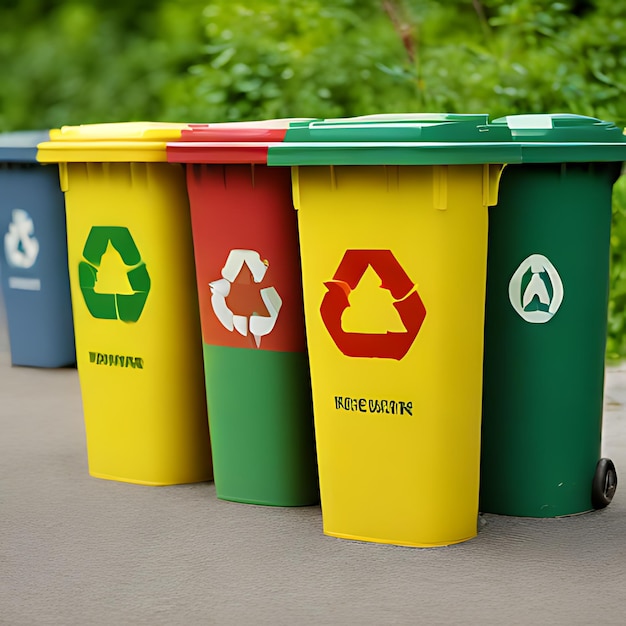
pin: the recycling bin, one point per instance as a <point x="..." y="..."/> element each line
<point x="546" y="319"/>
<point x="33" y="261"/>
<point x="250" y="295"/>
<point x="135" y="307"/>
<point x="392" y="215"/>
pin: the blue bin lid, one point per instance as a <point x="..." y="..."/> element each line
<point x="21" y="146"/>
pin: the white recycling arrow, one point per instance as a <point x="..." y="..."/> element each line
<point x="20" y="246"/>
<point x="257" y="325"/>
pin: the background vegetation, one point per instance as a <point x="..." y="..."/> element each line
<point x="73" y="62"/>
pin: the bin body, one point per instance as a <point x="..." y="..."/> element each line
<point x="250" y="295"/>
<point x="393" y="264"/>
<point x="33" y="261"/>
<point x="137" y="325"/>
<point x="545" y="334"/>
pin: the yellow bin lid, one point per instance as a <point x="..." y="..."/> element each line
<point x="108" y="143"/>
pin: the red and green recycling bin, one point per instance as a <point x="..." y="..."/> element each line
<point x="135" y="306"/>
<point x="250" y="296"/>
<point x="392" y="216"/>
<point x="546" y="319"/>
<point x="33" y="257"/>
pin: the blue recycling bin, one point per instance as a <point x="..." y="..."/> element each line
<point x="33" y="255"/>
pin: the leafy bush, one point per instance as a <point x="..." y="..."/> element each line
<point x="75" y="62"/>
<point x="283" y="58"/>
<point x="616" y="339"/>
<point x="514" y="57"/>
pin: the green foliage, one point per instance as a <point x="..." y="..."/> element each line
<point x="73" y="62"/>
<point x="616" y="339"/>
<point x="517" y="57"/>
<point x="282" y="58"/>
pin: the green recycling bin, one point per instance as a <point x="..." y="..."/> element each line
<point x="546" y="319"/>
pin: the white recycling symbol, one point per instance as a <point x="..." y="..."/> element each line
<point x="532" y="299"/>
<point x="256" y="325"/>
<point x="20" y="246"/>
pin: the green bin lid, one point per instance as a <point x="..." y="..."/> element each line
<point x="402" y="139"/>
<point x="398" y="127"/>
<point x="565" y="137"/>
<point x="21" y="146"/>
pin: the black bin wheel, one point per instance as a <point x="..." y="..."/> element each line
<point x="604" y="484"/>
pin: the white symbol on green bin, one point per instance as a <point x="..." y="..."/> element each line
<point x="20" y="245"/>
<point x="536" y="289"/>
<point x="126" y="307"/>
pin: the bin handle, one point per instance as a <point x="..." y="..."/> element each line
<point x="492" y="172"/>
<point x="295" y="187"/>
<point x="64" y="180"/>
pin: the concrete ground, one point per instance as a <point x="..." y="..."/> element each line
<point x="76" y="550"/>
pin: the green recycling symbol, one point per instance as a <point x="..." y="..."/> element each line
<point x="126" y="307"/>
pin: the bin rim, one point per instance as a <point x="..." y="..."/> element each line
<point x="21" y="146"/>
<point x="572" y="152"/>
<point x="101" y="152"/>
<point x="219" y="152"/>
<point x="109" y="142"/>
<point x="393" y="153"/>
<point x="453" y="139"/>
<point x="565" y="137"/>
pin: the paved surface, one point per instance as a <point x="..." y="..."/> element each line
<point x="75" y="550"/>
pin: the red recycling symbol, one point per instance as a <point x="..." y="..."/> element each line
<point x="408" y="304"/>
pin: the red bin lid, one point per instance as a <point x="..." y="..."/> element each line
<point x="229" y="142"/>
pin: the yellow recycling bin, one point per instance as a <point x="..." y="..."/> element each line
<point x="135" y="309"/>
<point x="393" y="232"/>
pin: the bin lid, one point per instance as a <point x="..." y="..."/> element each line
<point x="399" y="139"/>
<point x="565" y="137"/>
<point x="21" y="146"/>
<point x="229" y="142"/>
<point x="397" y="127"/>
<point x="114" y="142"/>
